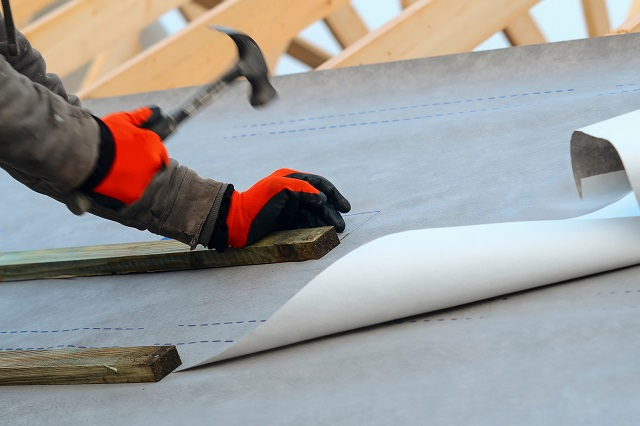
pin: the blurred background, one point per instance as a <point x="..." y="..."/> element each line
<point x="114" y="47"/>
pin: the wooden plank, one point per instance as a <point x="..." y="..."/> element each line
<point x="193" y="10"/>
<point x="137" y="364"/>
<point x="23" y="10"/>
<point x="73" y="34"/>
<point x="445" y="27"/>
<point x="196" y="55"/>
<point x="112" y="58"/>
<point x="284" y="246"/>
<point x="596" y="17"/>
<point x="524" y="31"/>
<point x="300" y="49"/>
<point x="631" y="25"/>
<point x="208" y="3"/>
<point x="307" y="53"/>
<point x="196" y="8"/>
<point x="634" y="9"/>
<point x="346" y="25"/>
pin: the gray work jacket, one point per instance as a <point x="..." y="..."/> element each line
<point x="50" y="144"/>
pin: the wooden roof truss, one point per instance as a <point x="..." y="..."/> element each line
<point x="99" y="43"/>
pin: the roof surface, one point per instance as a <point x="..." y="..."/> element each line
<point x="458" y="140"/>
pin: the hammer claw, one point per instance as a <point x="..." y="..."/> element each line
<point x="251" y="65"/>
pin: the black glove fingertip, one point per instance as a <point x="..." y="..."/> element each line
<point x="312" y="200"/>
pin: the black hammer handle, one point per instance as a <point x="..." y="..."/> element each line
<point x="165" y="125"/>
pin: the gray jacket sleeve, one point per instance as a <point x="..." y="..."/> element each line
<point x="50" y="144"/>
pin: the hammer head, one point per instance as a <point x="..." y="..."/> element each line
<point x="251" y="65"/>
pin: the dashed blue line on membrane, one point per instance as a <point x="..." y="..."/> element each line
<point x="121" y="329"/>
<point x="222" y="323"/>
<point x="291" y="131"/>
<point x="194" y="342"/>
<point x="42" y="348"/>
<point x="380" y="122"/>
<point x="617" y="92"/>
<point x="69" y="330"/>
<point x="404" y="107"/>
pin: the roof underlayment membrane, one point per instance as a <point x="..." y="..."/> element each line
<point x="514" y="322"/>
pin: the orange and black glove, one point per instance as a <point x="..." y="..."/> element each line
<point x="286" y="199"/>
<point x="129" y="157"/>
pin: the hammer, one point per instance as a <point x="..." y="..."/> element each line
<point x="251" y="65"/>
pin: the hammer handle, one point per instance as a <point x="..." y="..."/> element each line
<point x="207" y="92"/>
<point x="165" y="125"/>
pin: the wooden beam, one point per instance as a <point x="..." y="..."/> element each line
<point x="524" y="31"/>
<point x="112" y="58"/>
<point x="284" y="246"/>
<point x="75" y="33"/>
<point x="193" y="10"/>
<point x="445" y="27"/>
<point x="209" y="4"/>
<point x="634" y="9"/>
<point x="346" y="25"/>
<point x="596" y="17"/>
<point x="141" y="364"/>
<point x="23" y="10"/>
<point x="307" y="53"/>
<point x="196" y="55"/>
<point x="631" y="25"/>
<point x="196" y="8"/>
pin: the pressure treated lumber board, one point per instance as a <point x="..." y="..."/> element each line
<point x="155" y="256"/>
<point x="136" y="364"/>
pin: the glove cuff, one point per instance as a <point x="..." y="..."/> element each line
<point x="106" y="157"/>
<point x="220" y="236"/>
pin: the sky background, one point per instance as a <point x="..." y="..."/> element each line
<point x="559" y="20"/>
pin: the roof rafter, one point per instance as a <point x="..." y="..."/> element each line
<point x="447" y="26"/>
<point x="196" y="8"/>
<point x="631" y="25"/>
<point x="23" y="10"/>
<point x="307" y="53"/>
<point x="302" y="50"/>
<point x="635" y="8"/>
<point x="188" y="58"/>
<point x="78" y="31"/>
<point x="596" y="17"/>
<point x="524" y="30"/>
<point x="346" y="25"/>
<point x="110" y="59"/>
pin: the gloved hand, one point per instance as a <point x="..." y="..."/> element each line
<point x="129" y="158"/>
<point x="286" y="199"/>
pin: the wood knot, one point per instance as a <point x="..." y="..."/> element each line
<point x="286" y="250"/>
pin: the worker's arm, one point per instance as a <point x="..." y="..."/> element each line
<point x="29" y="62"/>
<point x="64" y="152"/>
<point x="53" y="147"/>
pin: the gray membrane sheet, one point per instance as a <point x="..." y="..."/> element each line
<point x="458" y="140"/>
